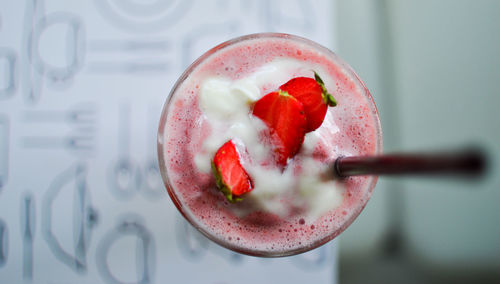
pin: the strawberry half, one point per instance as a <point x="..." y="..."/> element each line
<point x="230" y="176"/>
<point x="284" y="115"/>
<point x="313" y="96"/>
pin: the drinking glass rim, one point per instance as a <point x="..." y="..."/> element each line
<point x="161" y="132"/>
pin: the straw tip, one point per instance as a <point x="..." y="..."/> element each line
<point x="475" y="161"/>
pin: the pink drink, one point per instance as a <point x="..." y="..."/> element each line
<point x="289" y="222"/>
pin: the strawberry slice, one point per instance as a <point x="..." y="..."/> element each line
<point x="284" y="115"/>
<point x="313" y="96"/>
<point x="230" y="176"/>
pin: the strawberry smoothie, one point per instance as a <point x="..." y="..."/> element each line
<point x="291" y="209"/>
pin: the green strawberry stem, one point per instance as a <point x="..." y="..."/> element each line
<point x="223" y="187"/>
<point x="329" y="99"/>
<point x="284" y="94"/>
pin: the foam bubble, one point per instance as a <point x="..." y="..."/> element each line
<point x="349" y="129"/>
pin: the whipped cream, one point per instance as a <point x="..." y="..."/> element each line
<point x="225" y="104"/>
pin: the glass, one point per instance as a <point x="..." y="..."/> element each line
<point x="171" y="166"/>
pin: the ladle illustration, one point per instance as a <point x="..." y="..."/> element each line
<point x="84" y="217"/>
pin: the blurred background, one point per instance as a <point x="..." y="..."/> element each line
<point x="432" y="68"/>
<point x="82" y="84"/>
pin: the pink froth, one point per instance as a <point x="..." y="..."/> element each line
<point x="261" y="232"/>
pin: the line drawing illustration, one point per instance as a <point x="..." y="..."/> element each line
<point x="214" y="31"/>
<point x="301" y="18"/>
<point x="28" y="234"/>
<point x="130" y="225"/>
<point x="230" y="256"/>
<point x="191" y="243"/>
<point x="82" y="120"/>
<point x="124" y="177"/>
<point x="143" y="16"/>
<point x="84" y="217"/>
<point x="137" y="56"/>
<point x="74" y="50"/>
<point x="152" y="182"/>
<point x="30" y="78"/>
<point x="130" y="45"/>
<point x="4" y="150"/>
<point x="194" y="246"/>
<point x="81" y="116"/>
<point x="84" y="143"/>
<point x="315" y="259"/>
<point x="4" y="243"/>
<point x="33" y="66"/>
<point x="127" y="177"/>
<point x="130" y="66"/>
<point x="9" y="59"/>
